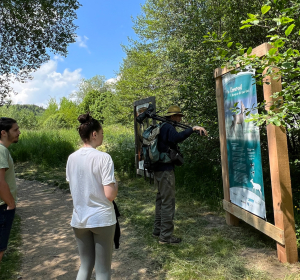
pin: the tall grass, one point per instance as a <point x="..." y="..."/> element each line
<point x="119" y="143"/>
<point x="45" y="147"/>
<point x="51" y="148"/>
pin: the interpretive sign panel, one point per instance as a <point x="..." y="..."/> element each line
<point x="283" y="230"/>
<point x="243" y="144"/>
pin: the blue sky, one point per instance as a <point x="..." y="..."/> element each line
<point x="107" y="25"/>
<point x="102" y="27"/>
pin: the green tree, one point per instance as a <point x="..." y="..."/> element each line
<point x="281" y="24"/>
<point x="62" y="115"/>
<point x="143" y="73"/>
<point x="96" y="96"/>
<point x="52" y="109"/>
<point x="281" y="21"/>
<point x="26" y="115"/>
<point x="96" y="83"/>
<point x="57" y="121"/>
<point x="170" y="60"/>
<point x="94" y="102"/>
<point x="171" y="34"/>
<point x="28" y="31"/>
<point x="70" y="111"/>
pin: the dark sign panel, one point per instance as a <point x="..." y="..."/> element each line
<point x="139" y="107"/>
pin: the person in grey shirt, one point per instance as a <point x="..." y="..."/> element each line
<point x="9" y="133"/>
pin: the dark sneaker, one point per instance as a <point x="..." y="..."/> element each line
<point x="171" y="240"/>
<point x="155" y="235"/>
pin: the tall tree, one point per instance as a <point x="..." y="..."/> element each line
<point x="94" y="95"/>
<point x="172" y="32"/>
<point x="143" y="73"/>
<point x="96" y="83"/>
<point x="29" y="29"/>
<point x="280" y="20"/>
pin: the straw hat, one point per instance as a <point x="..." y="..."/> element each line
<point x="174" y="110"/>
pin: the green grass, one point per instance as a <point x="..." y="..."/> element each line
<point x="42" y="155"/>
<point x="11" y="262"/>
<point x="119" y="143"/>
<point x="206" y="252"/>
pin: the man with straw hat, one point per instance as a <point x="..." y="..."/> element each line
<point x="164" y="177"/>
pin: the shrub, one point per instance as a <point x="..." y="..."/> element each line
<point x="201" y="174"/>
<point x="119" y="143"/>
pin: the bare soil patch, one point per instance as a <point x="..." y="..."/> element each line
<point x="265" y="259"/>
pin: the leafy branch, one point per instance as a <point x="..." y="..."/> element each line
<point x="282" y="62"/>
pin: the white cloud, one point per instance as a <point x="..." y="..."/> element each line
<point x="82" y="42"/>
<point x="57" y="57"/>
<point x="46" y="83"/>
<point x="112" y="81"/>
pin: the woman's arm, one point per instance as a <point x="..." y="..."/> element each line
<point x="111" y="191"/>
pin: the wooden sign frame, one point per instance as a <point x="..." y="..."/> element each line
<point x="283" y="232"/>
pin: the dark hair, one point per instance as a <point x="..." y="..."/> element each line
<point x="6" y="124"/>
<point x="87" y="125"/>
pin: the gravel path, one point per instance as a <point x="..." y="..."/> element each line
<point x="49" y="248"/>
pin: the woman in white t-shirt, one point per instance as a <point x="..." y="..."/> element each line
<point x="90" y="174"/>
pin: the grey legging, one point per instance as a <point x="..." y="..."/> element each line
<point x="95" y="247"/>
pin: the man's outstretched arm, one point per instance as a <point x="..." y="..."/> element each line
<point x="178" y="137"/>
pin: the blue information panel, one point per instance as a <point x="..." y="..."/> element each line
<point x="243" y="144"/>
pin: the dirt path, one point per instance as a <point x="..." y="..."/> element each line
<point x="49" y="248"/>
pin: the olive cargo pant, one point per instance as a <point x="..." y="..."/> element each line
<point x="164" y="181"/>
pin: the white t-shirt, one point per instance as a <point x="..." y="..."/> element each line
<point x="88" y="170"/>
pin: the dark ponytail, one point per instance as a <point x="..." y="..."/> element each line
<point x="87" y="126"/>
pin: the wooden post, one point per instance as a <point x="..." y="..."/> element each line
<point x="230" y="219"/>
<point x="280" y="180"/>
